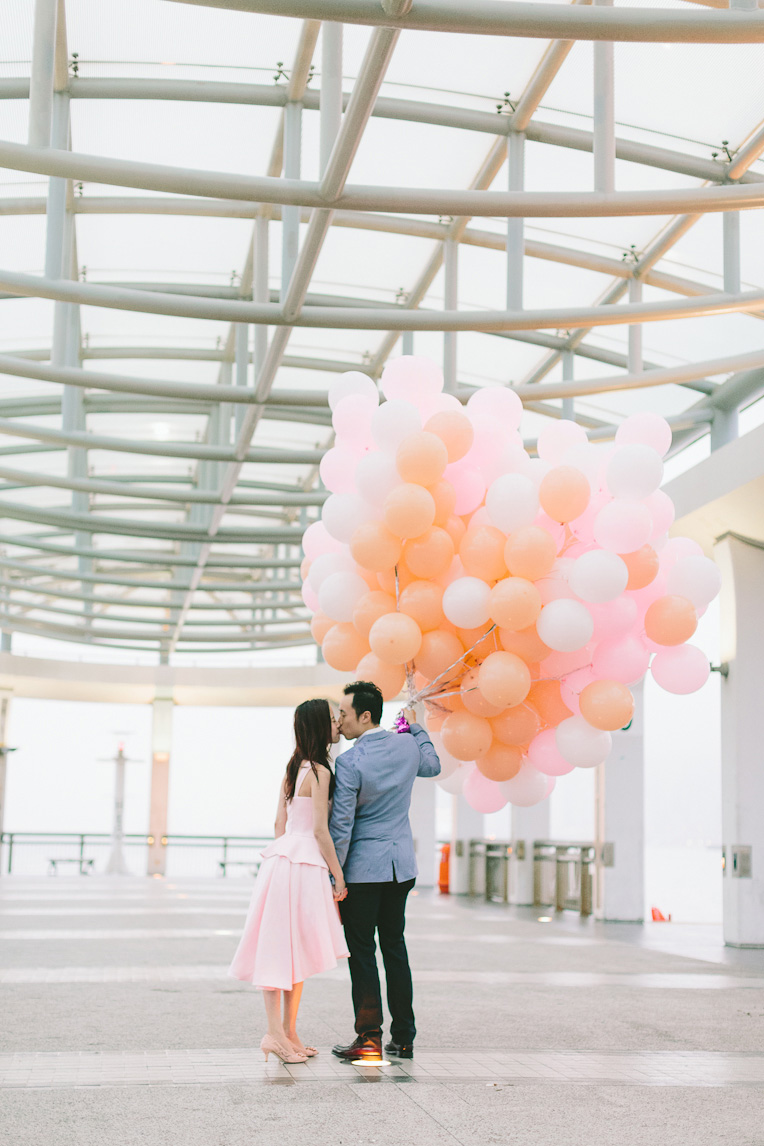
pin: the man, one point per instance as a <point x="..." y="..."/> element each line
<point x="372" y="834"/>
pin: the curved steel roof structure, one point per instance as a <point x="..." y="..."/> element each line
<point x="209" y="207"/>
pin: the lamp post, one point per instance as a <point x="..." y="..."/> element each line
<point x="116" y="864"/>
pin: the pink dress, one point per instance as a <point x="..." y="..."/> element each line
<point x="293" y="927"/>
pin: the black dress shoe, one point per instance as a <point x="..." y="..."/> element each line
<point x="399" y="1050"/>
<point x="365" y="1046"/>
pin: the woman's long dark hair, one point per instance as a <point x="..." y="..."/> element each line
<point x="312" y="735"/>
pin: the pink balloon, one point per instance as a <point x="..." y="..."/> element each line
<point x="527" y="788"/>
<point x="551" y="784"/>
<point x="337" y="470"/>
<point x="556" y="438"/>
<point x="553" y="528"/>
<point x="411" y="378"/>
<point x="482" y="794"/>
<point x="583" y="527"/>
<point x="560" y="664"/>
<point x="499" y="403"/>
<point x="681" y="669"/>
<point x="544" y="756"/>
<point x="317" y="540"/>
<point x="676" y="548"/>
<point x="469" y="485"/>
<point x="352" y="422"/>
<point x="644" y="598"/>
<point x="555" y="586"/>
<point x="625" y="659"/>
<point x="310" y="597"/>
<point x="645" y="429"/>
<point x="439" y="404"/>
<point x="614" y="618"/>
<point x="573" y="685"/>
<point x="488" y="443"/>
<point x="623" y="526"/>
<point x="662" y="511"/>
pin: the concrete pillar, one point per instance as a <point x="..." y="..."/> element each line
<point x="422" y="817"/>
<point x="466" y="825"/>
<point x="619" y="892"/>
<point x="161" y="747"/>
<point x="5" y="711"/>
<point x="742" y="648"/>
<point x="528" y="824"/>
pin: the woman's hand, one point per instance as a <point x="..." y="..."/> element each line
<point x="340" y="890"/>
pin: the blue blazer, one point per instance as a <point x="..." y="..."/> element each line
<point x="370" y="815"/>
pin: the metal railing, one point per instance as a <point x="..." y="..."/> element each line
<point x="563" y="875"/>
<point x="34" y="853"/>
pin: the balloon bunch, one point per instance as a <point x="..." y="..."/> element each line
<point x="517" y="597"/>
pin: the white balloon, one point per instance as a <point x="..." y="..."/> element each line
<point x="598" y="576"/>
<point x="580" y="744"/>
<point x="499" y="403"/>
<point x="512" y="502"/>
<point x="623" y="526"/>
<point x="528" y="787"/>
<point x="393" y="422"/>
<point x="565" y="625"/>
<point x="339" y="595"/>
<point x="413" y="378"/>
<point x="466" y="602"/>
<point x="343" y="513"/>
<point x="699" y="579"/>
<point x="646" y="428"/>
<point x="327" y="564"/>
<point x="376" y="476"/>
<point x="634" y="472"/>
<point x="351" y="382"/>
<point x="454" y="783"/>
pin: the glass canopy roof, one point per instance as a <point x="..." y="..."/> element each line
<point x="152" y="535"/>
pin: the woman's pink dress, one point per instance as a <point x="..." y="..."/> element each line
<point x="293" y="927"/>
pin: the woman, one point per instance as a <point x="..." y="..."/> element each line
<point x="293" y="928"/>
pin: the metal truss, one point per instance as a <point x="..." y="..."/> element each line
<point x="159" y="560"/>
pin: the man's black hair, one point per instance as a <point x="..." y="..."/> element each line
<point x="366" y="697"/>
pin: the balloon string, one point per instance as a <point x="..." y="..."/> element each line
<point x="410" y="665"/>
<point x="429" y="690"/>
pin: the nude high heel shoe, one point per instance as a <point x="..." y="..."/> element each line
<point x="269" y="1045"/>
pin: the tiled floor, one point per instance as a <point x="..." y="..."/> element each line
<point x="113" y="1003"/>
<point x="188" y="1068"/>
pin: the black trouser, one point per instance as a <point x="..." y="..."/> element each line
<point x="381" y="907"/>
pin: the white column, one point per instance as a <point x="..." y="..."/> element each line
<point x="742" y="567"/>
<point x="619" y="894"/>
<point x="635" y="330"/>
<point x="604" y="114"/>
<point x="161" y="747"/>
<point x="422" y="817"/>
<point x="515" y="226"/>
<point x="528" y="824"/>
<point x="5" y="711"/>
<point x="451" y="302"/>
<point x="466" y="825"/>
<point x="731" y="243"/>
<point x="41" y="79"/>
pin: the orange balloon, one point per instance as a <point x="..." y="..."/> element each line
<point x="389" y="679"/>
<point x="395" y="638"/>
<point x="504" y="679"/>
<point x="564" y="493"/>
<point x="530" y="552"/>
<point x="438" y="651"/>
<point x="643" y="567"/>
<point x="466" y="736"/>
<point x="451" y="700"/>
<point x="515" y="603"/>
<point x="434" y="717"/>
<point x="517" y="725"/>
<point x="343" y="647"/>
<point x="372" y="606"/>
<point x="409" y="510"/>
<point x="607" y="704"/>
<point x="386" y="580"/>
<point x="431" y="554"/>
<point x="444" y="496"/>
<point x="422" y="601"/>
<point x="456" y="530"/>
<point x="671" y="620"/>
<point x="545" y="697"/>
<point x="421" y="458"/>
<point x="320" y="626"/>
<point x="455" y="431"/>
<point x="473" y="699"/>
<point x="525" y="643"/>
<point x="479" y="649"/>
<point x="482" y="552"/>
<point x="501" y="762"/>
<point x="374" y="547"/>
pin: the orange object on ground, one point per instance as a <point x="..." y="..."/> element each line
<point x="445" y="855"/>
<point x="658" y="916"/>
